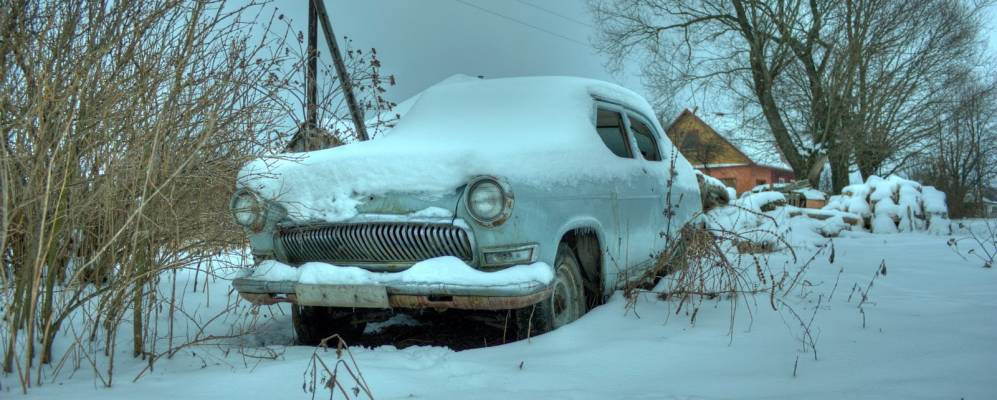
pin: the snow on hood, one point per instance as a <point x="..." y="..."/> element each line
<point x="532" y="131"/>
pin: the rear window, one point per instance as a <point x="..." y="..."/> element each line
<point x="609" y="124"/>
<point x="645" y="140"/>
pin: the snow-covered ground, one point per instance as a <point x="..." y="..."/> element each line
<point x="929" y="333"/>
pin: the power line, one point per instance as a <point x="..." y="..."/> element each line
<point x="466" y="3"/>
<point x="552" y="12"/>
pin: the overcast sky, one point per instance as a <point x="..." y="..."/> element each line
<point x="423" y="42"/>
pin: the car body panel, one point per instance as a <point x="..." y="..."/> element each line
<point x="633" y="216"/>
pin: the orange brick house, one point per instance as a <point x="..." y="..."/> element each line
<point x="715" y="156"/>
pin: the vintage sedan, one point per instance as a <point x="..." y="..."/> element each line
<point x="538" y="195"/>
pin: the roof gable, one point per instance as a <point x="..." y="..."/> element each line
<point x="702" y="145"/>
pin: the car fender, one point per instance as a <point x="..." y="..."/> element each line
<point x="608" y="273"/>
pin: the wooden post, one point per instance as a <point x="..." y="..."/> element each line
<point x="344" y="78"/>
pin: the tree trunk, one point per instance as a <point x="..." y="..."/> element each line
<point x="839" y="171"/>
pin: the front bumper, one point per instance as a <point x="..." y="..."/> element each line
<point x="504" y="296"/>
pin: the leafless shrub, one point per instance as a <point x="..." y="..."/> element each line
<point x="318" y="376"/>
<point x="985" y="249"/>
<point x="707" y="262"/>
<point x="700" y="267"/>
<point x="124" y="125"/>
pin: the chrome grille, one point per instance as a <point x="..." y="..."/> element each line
<point x="394" y="243"/>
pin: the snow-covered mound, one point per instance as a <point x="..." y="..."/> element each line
<point x="752" y="218"/>
<point x="532" y="131"/>
<point x="880" y="205"/>
<point x="894" y="204"/>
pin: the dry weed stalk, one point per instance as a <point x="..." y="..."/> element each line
<point x="319" y="375"/>
<point x="986" y="242"/>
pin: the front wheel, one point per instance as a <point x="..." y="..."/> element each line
<point x="312" y="324"/>
<point x="565" y="304"/>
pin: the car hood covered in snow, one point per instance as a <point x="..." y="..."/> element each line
<point x="530" y="131"/>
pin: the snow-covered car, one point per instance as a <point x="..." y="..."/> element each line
<point x="537" y="195"/>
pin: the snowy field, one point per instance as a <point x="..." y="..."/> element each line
<point x="929" y="333"/>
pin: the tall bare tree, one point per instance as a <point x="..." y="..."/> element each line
<point x="961" y="156"/>
<point x="899" y="57"/>
<point x="827" y="77"/>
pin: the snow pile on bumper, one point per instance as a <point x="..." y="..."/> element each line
<point x="444" y="282"/>
<point x="441" y="270"/>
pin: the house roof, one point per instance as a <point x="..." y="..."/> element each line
<point x="752" y="158"/>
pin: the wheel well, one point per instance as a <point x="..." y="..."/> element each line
<point x="585" y="243"/>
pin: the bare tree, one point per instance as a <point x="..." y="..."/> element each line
<point x="961" y="157"/>
<point x="899" y="58"/>
<point x="828" y="77"/>
<point x="717" y="45"/>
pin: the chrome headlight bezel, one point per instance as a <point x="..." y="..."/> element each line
<point x="504" y="200"/>
<point x="246" y="203"/>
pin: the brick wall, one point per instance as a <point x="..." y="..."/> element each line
<point x="747" y="177"/>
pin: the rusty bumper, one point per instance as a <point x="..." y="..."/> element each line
<point x="436" y="296"/>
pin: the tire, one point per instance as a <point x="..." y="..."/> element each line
<point x="312" y="324"/>
<point x="565" y="304"/>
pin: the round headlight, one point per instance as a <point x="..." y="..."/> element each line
<point x="488" y="201"/>
<point x="247" y="209"/>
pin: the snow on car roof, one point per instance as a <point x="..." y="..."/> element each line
<point x="531" y="131"/>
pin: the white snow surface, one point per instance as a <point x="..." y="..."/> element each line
<point x="922" y="333"/>
<point x="934" y="201"/>
<point x="441" y="270"/>
<point x="535" y="131"/>
<point x="776" y="227"/>
<point x="432" y="212"/>
<point x="812" y="194"/>
<point x="768" y="187"/>
<point x="808" y="193"/>
<point x="754" y="201"/>
<point x="711" y="180"/>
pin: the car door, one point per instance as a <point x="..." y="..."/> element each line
<point x="635" y="214"/>
<point x="652" y="192"/>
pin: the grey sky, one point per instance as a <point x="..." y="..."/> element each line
<point x="422" y="42"/>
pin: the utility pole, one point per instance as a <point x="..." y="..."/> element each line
<point x="311" y="71"/>
<point x="318" y="7"/>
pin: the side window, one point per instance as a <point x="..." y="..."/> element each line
<point x="609" y="124"/>
<point x="645" y="140"/>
